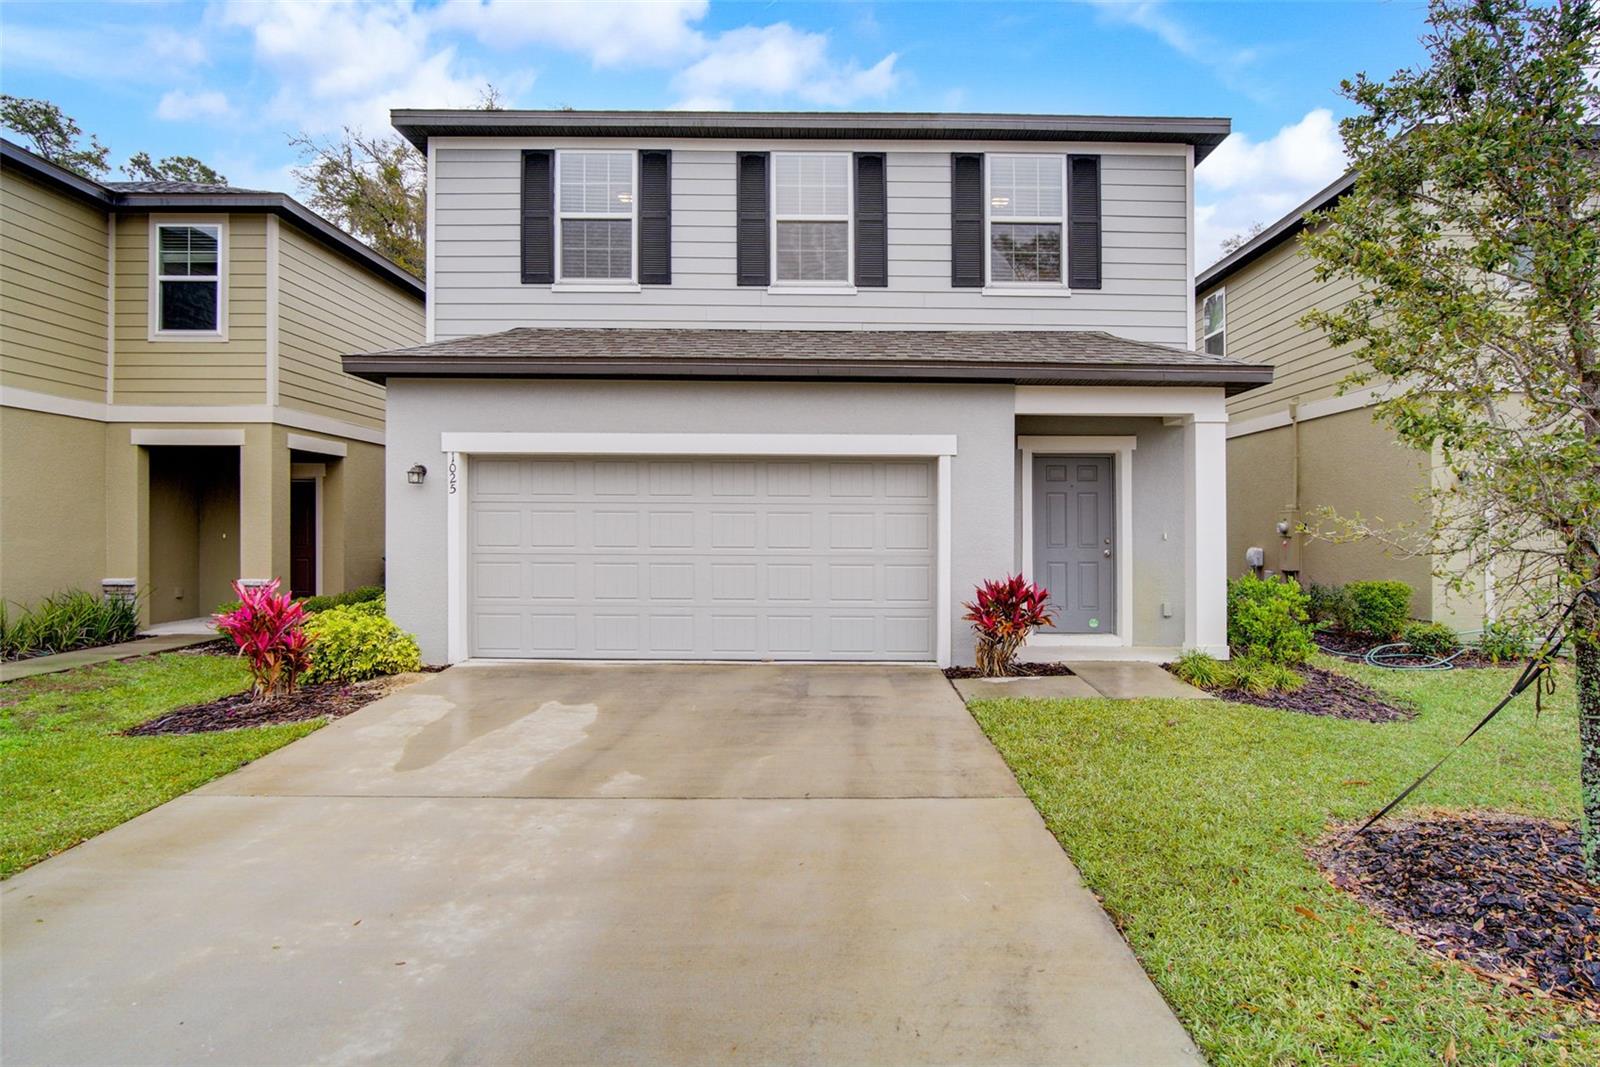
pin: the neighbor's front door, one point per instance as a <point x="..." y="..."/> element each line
<point x="303" y="538"/>
<point x="1074" y="541"/>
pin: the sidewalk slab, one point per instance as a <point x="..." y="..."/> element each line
<point x="87" y="657"/>
<point x="1121" y="680"/>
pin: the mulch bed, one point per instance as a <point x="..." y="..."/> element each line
<point x="1355" y="645"/>
<point x="1504" y="895"/>
<point x="1018" y="670"/>
<point x="330" y="700"/>
<point x="1326" y="693"/>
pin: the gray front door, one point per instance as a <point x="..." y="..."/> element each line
<point x="1074" y="541"/>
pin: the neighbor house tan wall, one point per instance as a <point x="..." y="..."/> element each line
<point x="230" y="370"/>
<point x="52" y="504"/>
<point x="1265" y="302"/>
<point x="328" y="307"/>
<point x="55" y="252"/>
<point x="1346" y="462"/>
<point x="361" y="490"/>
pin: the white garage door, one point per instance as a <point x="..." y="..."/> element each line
<point x="661" y="558"/>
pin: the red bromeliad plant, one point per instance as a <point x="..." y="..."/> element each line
<point x="1003" y="616"/>
<point x="269" y="628"/>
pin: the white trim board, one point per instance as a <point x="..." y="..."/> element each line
<point x="73" y="408"/>
<point x="1121" y="451"/>
<point x="320" y="445"/>
<point x="182" y="437"/>
<point x="1311" y="409"/>
<point x="699" y="444"/>
<point x="153" y="331"/>
<point x="460" y="447"/>
<point x="1198" y="403"/>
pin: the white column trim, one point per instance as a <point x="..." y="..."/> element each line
<point x="944" y="604"/>
<point x="1121" y="450"/>
<point x="315" y="472"/>
<point x="111" y="308"/>
<point x="456" y="550"/>
<point x="428" y="254"/>
<point x="1205" y="572"/>
<point x="1188" y="239"/>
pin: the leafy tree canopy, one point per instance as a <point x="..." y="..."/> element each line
<point x="171" y="169"/>
<point x="1473" y="230"/>
<point x="55" y="136"/>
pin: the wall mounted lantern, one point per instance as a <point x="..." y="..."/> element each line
<point x="416" y="474"/>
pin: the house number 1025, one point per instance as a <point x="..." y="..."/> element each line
<point x="452" y="473"/>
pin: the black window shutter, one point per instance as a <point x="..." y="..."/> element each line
<point x="538" y="218"/>
<point x="753" y="262"/>
<point x="655" y="217"/>
<point x="966" y="220"/>
<point x="872" y="220"/>
<point x="1083" y="222"/>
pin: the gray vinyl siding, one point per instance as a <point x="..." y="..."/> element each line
<point x="53" y="301"/>
<point x="1265" y="302"/>
<point x="477" y="288"/>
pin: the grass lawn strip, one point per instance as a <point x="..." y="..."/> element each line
<point x="66" y="774"/>
<point x="1191" y="820"/>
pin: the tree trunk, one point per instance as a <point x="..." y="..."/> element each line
<point x="1586" y="640"/>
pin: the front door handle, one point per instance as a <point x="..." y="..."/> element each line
<point x="1106" y="553"/>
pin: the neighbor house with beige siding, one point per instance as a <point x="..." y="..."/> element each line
<point x="172" y="410"/>
<point x="1305" y="443"/>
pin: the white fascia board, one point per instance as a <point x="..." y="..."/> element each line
<point x="697" y="444"/>
<point x="224" y="438"/>
<point x="1192" y="403"/>
<point x="320" y="445"/>
<point x="50" y="404"/>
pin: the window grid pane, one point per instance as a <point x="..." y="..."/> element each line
<point x="1025" y="252"/>
<point x="812" y="185"/>
<point x="187" y="251"/>
<point x="1025" y="187"/>
<point x="813" y="252"/>
<point x="597" y="183"/>
<point x="597" y="248"/>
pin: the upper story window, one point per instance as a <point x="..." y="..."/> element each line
<point x="1026" y="217"/>
<point x="1214" y="323"/>
<point x="188" y="289"/>
<point x="595" y="193"/>
<point x="811" y="217"/>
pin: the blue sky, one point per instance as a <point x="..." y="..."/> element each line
<point x="229" y="81"/>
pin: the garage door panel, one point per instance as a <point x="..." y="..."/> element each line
<point x="737" y="559"/>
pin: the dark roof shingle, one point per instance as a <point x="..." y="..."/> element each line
<point x="1017" y="356"/>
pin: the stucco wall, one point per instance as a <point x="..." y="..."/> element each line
<point x="1347" y="462"/>
<point x="52" y="504"/>
<point x="419" y="410"/>
<point x="1158" y="518"/>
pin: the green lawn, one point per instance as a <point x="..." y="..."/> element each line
<point x="66" y="775"/>
<point x="1190" y="819"/>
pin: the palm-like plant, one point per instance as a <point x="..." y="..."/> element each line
<point x="1003" y="615"/>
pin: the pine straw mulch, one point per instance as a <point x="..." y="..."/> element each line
<point x="1328" y="693"/>
<point x="1503" y="894"/>
<point x="327" y="700"/>
<point x="1018" y="670"/>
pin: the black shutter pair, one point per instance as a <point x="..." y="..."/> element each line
<point x="968" y="256"/>
<point x="753" y="217"/>
<point x="539" y="221"/>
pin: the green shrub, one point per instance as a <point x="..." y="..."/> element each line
<point x="1430" y="638"/>
<point x="324" y="602"/>
<point x="74" y="619"/>
<point x="1329" y="606"/>
<point x="1378" y="609"/>
<point x="1267" y="620"/>
<point x="1502" y="641"/>
<point x="1201" y="669"/>
<point x="352" y="643"/>
<point x="1261" y="677"/>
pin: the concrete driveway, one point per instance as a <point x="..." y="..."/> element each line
<point x="586" y="864"/>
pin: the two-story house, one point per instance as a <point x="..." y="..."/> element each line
<point x="1305" y="443"/>
<point x="172" y="411"/>
<point x="788" y="386"/>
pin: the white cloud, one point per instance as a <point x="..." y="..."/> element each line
<point x="610" y="33"/>
<point x="1244" y="182"/>
<point x="181" y="106"/>
<point x="778" y="61"/>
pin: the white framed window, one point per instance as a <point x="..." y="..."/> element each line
<point x="596" y="211"/>
<point x="1214" y="323"/>
<point x="812" y="242"/>
<point x="1026" y="219"/>
<point x="188" y="268"/>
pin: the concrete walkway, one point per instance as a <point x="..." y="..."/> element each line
<point x="567" y="864"/>
<point x="87" y="657"/>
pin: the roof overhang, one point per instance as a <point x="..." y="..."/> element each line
<point x="418" y="126"/>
